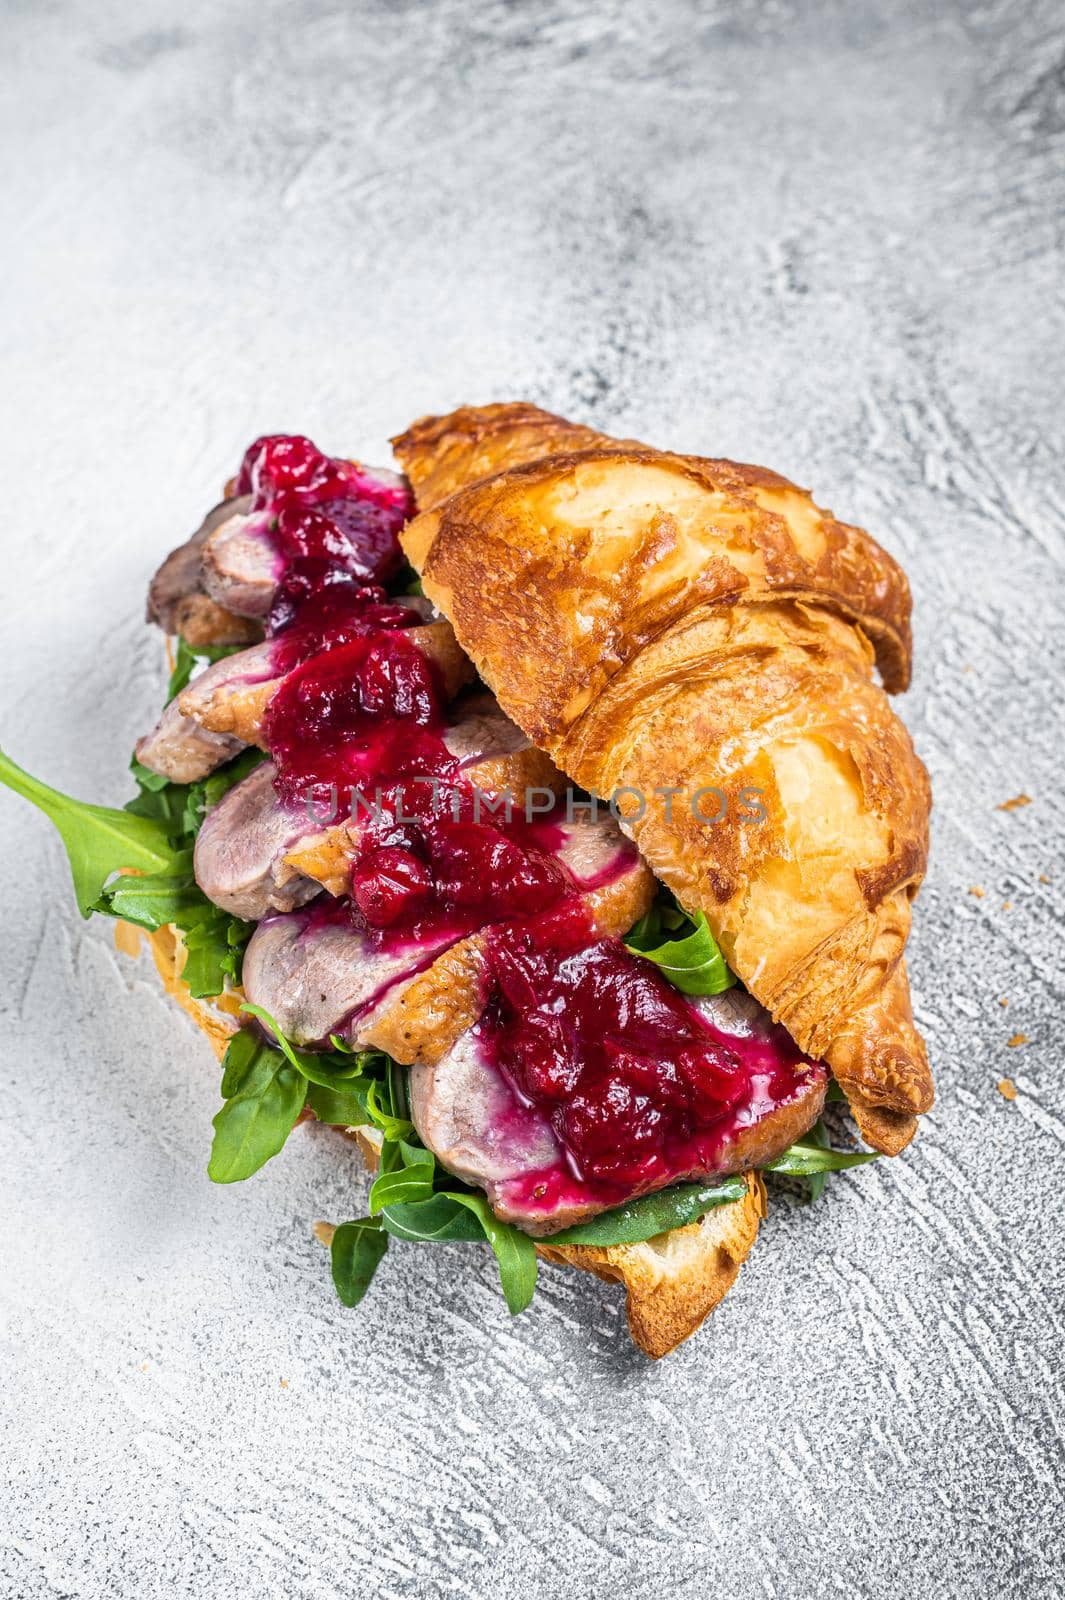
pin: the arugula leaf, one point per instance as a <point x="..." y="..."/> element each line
<point x="146" y="778"/>
<point x="356" y="1253"/>
<point x="451" y="1216"/>
<point x="653" y="1214"/>
<point x="379" y="1105"/>
<point x="692" y="963"/>
<point x="168" y="803"/>
<point x="318" y="1066"/>
<point x="214" y="951"/>
<point x="410" y="1182"/>
<point x="440" y="1219"/>
<point x="817" y="1135"/>
<point x="99" y="841"/>
<point x="342" y="1107"/>
<point x="806" y="1160"/>
<point x="267" y="1096"/>
<point x="514" y="1251"/>
<point x="242" y="1052"/>
<point x="201" y="797"/>
<point x="159" y="898"/>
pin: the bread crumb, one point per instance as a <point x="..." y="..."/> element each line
<point x="1018" y="1038"/>
<point x="1007" y="905"/>
<point x="324" y="1231"/>
<point x="283" y="1382"/>
<point x="1016" y="803"/>
<point x="1007" y="1088"/>
<point x="977" y="891"/>
<point x="1044" y="877"/>
<point x="144" y="1366"/>
<point x="1003" y="1002"/>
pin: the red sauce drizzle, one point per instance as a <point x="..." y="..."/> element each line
<point x="638" y="1088"/>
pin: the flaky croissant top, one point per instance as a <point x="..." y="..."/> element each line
<point x="667" y="625"/>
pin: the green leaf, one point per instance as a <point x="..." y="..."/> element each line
<point x="204" y="795"/>
<point x="817" y="1135"/>
<point x="378" y="1106"/>
<point x="653" y="1214"/>
<point x="322" y="1068"/>
<point x="343" y="1108"/>
<point x="214" y="952"/>
<point x="146" y="778"/>
<point x="156" y="899"/>
<point x="356" y="1253"/>
<point x="408" y="1183"/>
<point x="258" y="1117"/>
<point x="515" y="1252"/>
<point x="468" y="1217"/>
<point x="437" y="1220"/>
<point x="99" y="841"/>
<point x="693" y="964"/>
<point x="242" y="1052"/>
<point x="804" y="1160"/>
<point x="168" y="804"/>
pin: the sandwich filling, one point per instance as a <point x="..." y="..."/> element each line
<point x="626" y="1081"/>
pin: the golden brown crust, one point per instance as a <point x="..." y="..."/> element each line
<point x="717" y="531"/>
<point x="660" y="622"/>
<point x="673" y="1282"/>
<point x="442" y="454"/>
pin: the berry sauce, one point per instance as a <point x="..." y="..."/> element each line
<point x="637" y="1086"/>
<point x="329" y="522"/>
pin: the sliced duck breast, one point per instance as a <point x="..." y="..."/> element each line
<point x="235" y="702"/>
<point x="493" y="755"/>
<point x="241" y="565"/>
<point x="474" y="1122"/>
<point x="315" y="972"/>
<point x="177" y="600"/>
<point x="239" y="857"/>
<point x="180" y="747"/>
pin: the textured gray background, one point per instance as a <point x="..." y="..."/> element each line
<point x="825" y="237"/>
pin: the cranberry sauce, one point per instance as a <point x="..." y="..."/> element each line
<point x="638" y="1087"/>
<point x="326" y="519"/>
<point x="430" y="859"/>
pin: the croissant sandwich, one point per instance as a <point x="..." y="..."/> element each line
<point x="535" y="817"/>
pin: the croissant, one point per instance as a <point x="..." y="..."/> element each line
<point x="669" y="629"/>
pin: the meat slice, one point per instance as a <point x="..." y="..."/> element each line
<point x="467" y="1114"/>
<point x="316" y="973"/>
<point x="494" y="755"/>
<point x="256" y="854"/>
<point x="239" y="856"/>
<point x="176" y="597"/>
<point x="222" y="709"/>
<point x="470" y="1118"/>
<point x="180" y="747"/>
<point x="235" y="702"/>
<point x="240" y="567"/>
